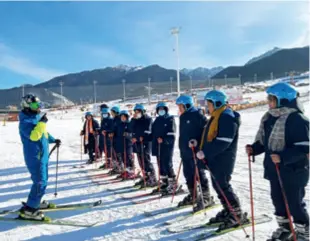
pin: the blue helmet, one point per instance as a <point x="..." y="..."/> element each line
<point x="105" y="111"/>
<point x="124" y="112"/>
<point x="219" y="98"/>
<point x="282" y="91"/>
<point x="88" y="113"/>
<point x="116" y="109"/>
<point x="162" y="105"/>
<point x="185" y="100"/>
<point x="139" y="107"/>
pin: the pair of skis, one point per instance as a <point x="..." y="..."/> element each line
<point x="210" y="231"/>
<point x="51" y="221"/>
<point x="180" y="224"/>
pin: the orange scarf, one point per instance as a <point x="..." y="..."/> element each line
<point x="215" y="116"/>
<point x="88" y="130"/>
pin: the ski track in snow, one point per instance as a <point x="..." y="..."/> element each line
<point x="117" y="219"/>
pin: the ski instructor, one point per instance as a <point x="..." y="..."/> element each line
<point x="35" y="139"/>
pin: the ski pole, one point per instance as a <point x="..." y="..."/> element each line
<point x="117" y="161"/>
<point x="125" y="159"/>
<point x="158" y="163"/>
<point x="81" y="148"/>
<point x="175" y="187"/>
<point x="251" y="196"/>
<point x="142" y="160"/>
<point x="286" y="202"/>
<point x="198" y="178"/>
<point x="105" y="151"/>
<point x="226" y="200"/>
<point x="57" y="160"/>
<point x="111" y="153"/>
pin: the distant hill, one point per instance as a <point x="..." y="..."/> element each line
<point x="79" y="87"/>
<point x="279" y="63"/>
<point x="201" y="73"/>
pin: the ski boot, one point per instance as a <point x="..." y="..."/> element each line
<point x="150" y="181"/>
<point x="129" y="174"/>
<point x="188" y="200"/>
<point x="139" y="183"/>
<point x="220" y="216"/>
<point x="29" y="213"/>
<point x="207" y="200"/>
<point x="172" y="188"/>
<point x="301" y="231"/>
<point x="90" y="161"/>
<point x="283" y="232"/>
<point x="234" y="220"/>
<point x="103" y="166"/>
<point x="163" y="185"/>
<point x="43" y="205"/>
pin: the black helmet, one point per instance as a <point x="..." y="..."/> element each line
<point x="31" y="102"/>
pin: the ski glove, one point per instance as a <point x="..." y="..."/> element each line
<point x="200" y="155"/>
<point x="192" y="143"/>
<point x="58" y="142"/>
<point x="249" y="149"/>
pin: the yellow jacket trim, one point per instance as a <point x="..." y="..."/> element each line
<point x="38" y="131"/>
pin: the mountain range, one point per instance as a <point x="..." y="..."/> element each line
<point x="79" y="87"/>
<point x="276" y="63"/>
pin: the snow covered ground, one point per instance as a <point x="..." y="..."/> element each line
<point x="117" y="219"/>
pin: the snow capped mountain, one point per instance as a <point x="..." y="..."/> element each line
<point x="185" y="71"/>
<point x="264" y="55"/>
<point x="127" y="68"/>
<point x="201" y="72"/>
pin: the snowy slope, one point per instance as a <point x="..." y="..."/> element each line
<point x="118" y="220"/>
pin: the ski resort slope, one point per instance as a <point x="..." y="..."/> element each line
<point x="117" y="219"/>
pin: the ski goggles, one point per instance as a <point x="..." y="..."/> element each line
<point x="36" y="105"/>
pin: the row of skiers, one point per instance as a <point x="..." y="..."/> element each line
<point x="211" y="144"/>
<point x="118" y="137"/>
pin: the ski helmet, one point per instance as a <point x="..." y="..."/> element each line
<point x="185" y="100"/>
<point x="139" y="107"/>
<point x="31" y="102"/>
<point x="217" y="97"/>
<point x="116" y="109"/>
<point x="88" y="113"/>
<point x="124" y="112"/>
<point x="162" y="105"/>
<point x="283" y="92"/>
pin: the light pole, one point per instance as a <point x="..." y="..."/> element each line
<point x="23" y="90"/>
<point x="95" y="93"/>
<point x="149" y="90"/>
<point x="175" y="32"/>
<point x="61" y="83"/>
<point x="271" y="75"/>
<point x="225" y="77"/>
<point x="191" y="79"/>
<point x="240" y="78"/>
<point x="171" y="78"/>
<point x="255" y="78"/>
<point x="124" y="89"/>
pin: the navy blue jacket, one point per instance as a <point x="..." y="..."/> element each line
<point x="142" y="128"/>
<point x="294" y="162"/>
<point x="221" y="152"/>
<point x="116" y="121"/>
<point x="165" y="128"/>
<point x="106" y="125"/>
<point x="191" y="127"/>
<point x="119" y="137"/>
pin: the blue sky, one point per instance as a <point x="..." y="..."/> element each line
<point x="40" y="40"/>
